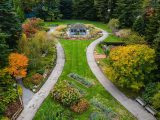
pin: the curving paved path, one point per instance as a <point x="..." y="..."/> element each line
<point x="36" y="101"/>
<point x="27" y="94"/>
<point x="139" y="112"/>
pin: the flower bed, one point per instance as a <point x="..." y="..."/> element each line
<point x="79" y="89"/>
<point x="104" y="110"/>
<point x="61" y="32"/>
<point x="80" y="79"/>
<point x="70" y="97"/>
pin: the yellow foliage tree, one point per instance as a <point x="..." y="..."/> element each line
<point x="18" y="65"/>
<point x="131" y="65"/>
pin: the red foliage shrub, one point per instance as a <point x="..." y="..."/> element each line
<point x="37" y="78"/>
<point x="81" y="106"/>
<point x="31" y="26"/>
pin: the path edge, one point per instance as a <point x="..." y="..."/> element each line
<point x="30" y="110"/>
<point x="126" y="102"/>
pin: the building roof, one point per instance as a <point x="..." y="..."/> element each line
<point x="78" y="26"/>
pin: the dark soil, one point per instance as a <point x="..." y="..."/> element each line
<point x="12" y="108"/>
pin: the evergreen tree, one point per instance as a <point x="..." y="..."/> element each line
<point x="84" y="9"/>
<point x="48" y="9"/>
<point x="4" y="50"/>
<point x="127" y="11"/>
<point x="9" y="23"/>
<point x="139" y="25"/>
<point x="152" y="24"/>
<point x="102" y="9"/>
<point x="66" y="8"/>
<point x="157" y="49"/>
<point x="17" y="4"/>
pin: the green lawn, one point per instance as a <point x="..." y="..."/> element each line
<point x="76" y="62"/>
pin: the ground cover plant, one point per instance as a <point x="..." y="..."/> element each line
<point x="8" y="95"/>
<point x="73" y="51"/>
<point x="80" y="79"/>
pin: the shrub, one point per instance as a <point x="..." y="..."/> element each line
<point x="61" y="28"/>
<point x="89" y="26"/>
<point x="31" y="26"/>
<point x="156" y="100"/>
<point x="114" y="24"/>
<point x="133" y="65"/>
<point x="18" y="65"/>
<point x="123" y="33"/>
<point x="37" y="78"/>
<point x="20" y="90"/>
<point x="65" y="94"/>
<point x="150" y="90"/>
<point x="134" y="38"/>
<point x="81" y="106"/>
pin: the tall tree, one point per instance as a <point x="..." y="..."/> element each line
<point x="48" y="9"/>
<point x="84" y="9"/>
<point x="139" y="25"/>
<point x="66" y="8"/>
<point x="127" y="11"/>
<point x="17" y="4"/>
<point x="9" y="23"/>
<point x="157" y="50"/>
<point x="152" y="21"/>
<point x="104" y="9"/>
<point x="4" y="50"/>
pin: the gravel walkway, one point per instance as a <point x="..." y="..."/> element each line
<point x="131" y="105"/>
<point x="36" y="101"/>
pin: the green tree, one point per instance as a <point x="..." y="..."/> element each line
<point x="139" y="25"/>
<point x="84" y="9"/>
<point x="66" y="8"/>
<point x="4" y="50"/>
<point x="103" y="10"/>
<point x="152" y="24"/>
<point x="9" y="23"/>
<point x="17" y="4"/>
<point x="156" y="46"/>
<point x="127" y="11"/>
<point x="48" y="9"/>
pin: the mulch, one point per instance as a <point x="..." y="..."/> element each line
<point x="12" y="108"/>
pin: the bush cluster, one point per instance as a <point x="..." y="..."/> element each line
<point x="69" y="96"/>
<point x="65" y="94"/>
<point x="31" y="26"/>
<point x="81" y="106"/>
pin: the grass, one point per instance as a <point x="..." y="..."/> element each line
<point x="76" y="62"/>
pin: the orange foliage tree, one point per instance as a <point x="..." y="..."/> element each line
<point x="18" y="65"/>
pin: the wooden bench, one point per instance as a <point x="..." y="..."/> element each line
<point x="141" y="101"/>
<point x="151" y="110"/>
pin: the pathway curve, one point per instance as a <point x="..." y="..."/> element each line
<point x="27" y="94"/>
<point x="131" y="105"/>
<point x="36" y="101"/>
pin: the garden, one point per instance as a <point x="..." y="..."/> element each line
<point x="128" y="57"/>
<point x="130" y="64"/>
<point x="74" y="95"/>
